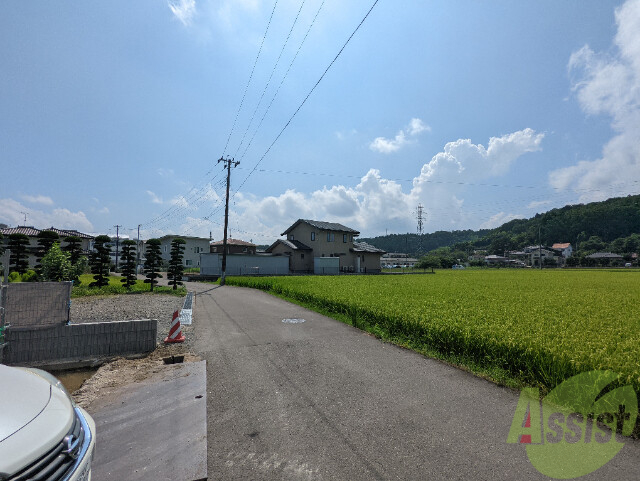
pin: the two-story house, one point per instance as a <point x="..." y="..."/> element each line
<point x="234" y="246"/>
<point x="193" y="247"/>
<point x="307" y="240"/>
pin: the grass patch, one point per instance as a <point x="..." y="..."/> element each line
<point x="115" y="287"/>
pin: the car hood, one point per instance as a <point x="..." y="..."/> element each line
<point x="24" y="396"/>
<point x="34" y="417"/>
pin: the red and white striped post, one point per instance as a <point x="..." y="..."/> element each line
<point x="175" y="332"/>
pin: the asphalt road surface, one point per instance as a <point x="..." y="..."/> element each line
<point x="321" y="400"/>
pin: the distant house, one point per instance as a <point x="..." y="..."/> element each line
<point x="392" y="259"/>
<point x="566" y="249"/>
<point x="606" y="258"/>
<point x="234" y="246"/>
<point x="193" y="248"/>
<point x="309" y="243"/>
<point x="494" y="260"/>
<point x="32" y="234"/>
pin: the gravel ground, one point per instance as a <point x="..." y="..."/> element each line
<point x="129" y="307"/>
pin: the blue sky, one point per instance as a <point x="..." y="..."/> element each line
<point x="115" y="113"/>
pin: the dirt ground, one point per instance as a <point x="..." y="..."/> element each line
<point x="123" y="371"/>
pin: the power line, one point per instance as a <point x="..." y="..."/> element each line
<point x="282" y="81"/>
<point x="444" y="182"/>
<point x="273" y="71"/>
<point x="250" y="77"/>
<point x="308" y="95"/>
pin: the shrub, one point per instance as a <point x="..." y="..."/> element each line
<point x="30" y="276"/>
<point x="15" y="277"/>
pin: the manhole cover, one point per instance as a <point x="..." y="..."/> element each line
<point x="293" y="321"/>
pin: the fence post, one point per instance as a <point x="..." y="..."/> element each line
<point x="3" y="294"/>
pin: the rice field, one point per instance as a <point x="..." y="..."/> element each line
<point x="540" y="327"/>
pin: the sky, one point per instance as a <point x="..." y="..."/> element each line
<point x="116" y="113"/>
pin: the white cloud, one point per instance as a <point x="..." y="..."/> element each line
<point x="162" y="172"/>
<point x="499" y="219"/>
<point x="345" y="135"/>
<point x="38" y="199"/>
<point x="609" y="84"/>
<point x="463" y="161"/>
<point x="154" y="198"/>
<point x="12" y="213"/>
<point x="417" y="126"/>
<point x="184" y="10"/>
<point x="538" y="203"/>
<point x="376" y="204"/>
<point x="387" y="146"/>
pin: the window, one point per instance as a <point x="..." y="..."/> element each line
<point x="187" y="262"/>
<point x="302" y="255"/>
<point x="313" y="236"/>
<point x="344" y="238"/>
<point x="331" y="237"/>
<point x="291" y="237"/>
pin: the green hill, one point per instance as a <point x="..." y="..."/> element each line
<point x="613" y="224"/>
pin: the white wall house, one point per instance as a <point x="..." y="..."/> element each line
<point x="192" y="249"/>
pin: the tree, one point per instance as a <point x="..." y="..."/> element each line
<point x="176" y="269"/>
<point x="128" y="269"/>
<point x="153" y="263"/>
<point x="46" y="239"/>
<point x="593" y="244"/>
<point x="19" y="258"/>
<point x="100" y="261"/>
<point x="55" y="265"/>
<point x="74" y="248"/>
<point x="428" y="262"/>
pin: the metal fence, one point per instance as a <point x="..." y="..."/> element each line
<point x="36" y="304"/>
<point x="3" y="293"/>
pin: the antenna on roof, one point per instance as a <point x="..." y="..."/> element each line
<point x="25" y="218"/>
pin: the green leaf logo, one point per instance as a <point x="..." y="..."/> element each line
<point x="578" y="425"/>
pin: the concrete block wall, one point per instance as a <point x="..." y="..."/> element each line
<point x="76" y="343"/>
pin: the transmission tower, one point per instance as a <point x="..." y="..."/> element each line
<point x="419" y="216"/>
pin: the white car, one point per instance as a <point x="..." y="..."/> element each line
<point x="43" y="434"/>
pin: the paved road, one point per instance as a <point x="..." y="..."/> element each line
<point x="322" y="400"/>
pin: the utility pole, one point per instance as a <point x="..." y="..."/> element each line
<point x="117" y="243"/>
<point x="227" y="162"/>
<point x="539" y="248"/>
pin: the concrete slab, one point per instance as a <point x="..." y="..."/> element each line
<point x="156" y="429"/>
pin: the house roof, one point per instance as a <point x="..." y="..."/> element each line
<point x="321" y="225"/>
<point x="291" y="244"/>
<point x="561" y="246"/>
<point x="604" y="255"/>
<point x="30" y="231"/>
<point x="174" y="236"/>
<point x="364" y="247"/>
<point x="33" y="232"/>
<point x="233" y="242"/>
